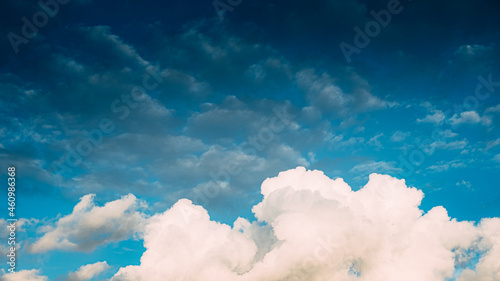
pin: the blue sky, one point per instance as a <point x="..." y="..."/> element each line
<point x="168" y="100"/>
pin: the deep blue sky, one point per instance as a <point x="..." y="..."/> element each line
<point x="417" y="91"/>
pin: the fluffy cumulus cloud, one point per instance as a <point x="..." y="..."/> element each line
<point x="469" y="117"/>
<point x="89" y="225"/>
<point x="488" y="267"/>
<point x="310" y="227"/>
<point x="23" y="275"/>
<point x="437" y="117"/>
<point x="87" y="272"/>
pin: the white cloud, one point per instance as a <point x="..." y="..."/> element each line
<point x="339" y="142"/>
<point x="492" y="144"/>
<point x="444" y="166"/>
<point x="374" y="140"/>
<point x="311" y="113"/>
<point x="497" y="158"/>
<point x="448" y="134"/>
<point x="436" y="118"/>
<point x="469" y="117"/>
<point x="488" y="267"/>
<point x="23" y="275"/>
<point x="494" y="109"/>
<point x="427" y="105"/>
<point x="473" y="50"/>
<point x="454" y="145"/>
<point x="89" y="226"/>
<point x="377" y="167"/>
<point x="399" y="136"/>
<point x="464" y="183"/>
<point x="450" y="145"/>
<point x="87" y="272"/>
<point x="312" y="156"/>
<point x="311" y="227"/>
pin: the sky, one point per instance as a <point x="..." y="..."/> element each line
<point x="251" y="140"/>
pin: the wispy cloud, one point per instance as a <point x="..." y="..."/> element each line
<point x="376" y="167"/>
<point x="399" y="136"/>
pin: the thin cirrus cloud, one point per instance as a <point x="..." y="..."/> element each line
<point x="311" y="227"/>
<point x="376" y="167"/>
